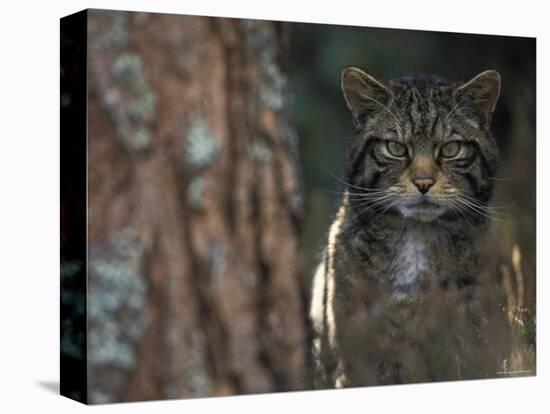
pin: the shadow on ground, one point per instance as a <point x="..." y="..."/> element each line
<point x="51" y="386"/>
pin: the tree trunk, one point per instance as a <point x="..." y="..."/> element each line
<point x="194" y="210"/>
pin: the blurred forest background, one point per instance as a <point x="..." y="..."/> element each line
<point x="212" y="144"/>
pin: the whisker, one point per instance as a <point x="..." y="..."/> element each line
<point x="487" y="214"/>
<point x="361" y="200"/>
<point x="370" y="206"/>
<point x="482" y="207"/>
<point x="473" y="208"/>
<point x="480" y="204"/>
<point x="360" y="203"/>
<point x="456" y="207"/>
<point x="393" y="203"/>
<point x="345" y="183"/>
<point x="373" y="193"/>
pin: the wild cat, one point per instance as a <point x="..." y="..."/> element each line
<point x="394" y="297"/>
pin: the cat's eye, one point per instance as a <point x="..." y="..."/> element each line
<point x="450" y="149"/>
<point x="396" y="149"/>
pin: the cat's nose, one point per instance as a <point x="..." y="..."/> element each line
<point x="423" y="183"/>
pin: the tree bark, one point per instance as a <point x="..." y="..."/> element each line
<point x="195" y="209"/>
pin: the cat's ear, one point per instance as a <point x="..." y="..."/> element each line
<point x="480" y="95"/>
<point x="364" y="93"/>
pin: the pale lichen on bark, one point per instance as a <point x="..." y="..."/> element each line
<point x="116" y="303"/>
<point x="125" y="92"/>
<point x="202" y="146"/>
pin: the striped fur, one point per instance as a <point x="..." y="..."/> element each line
<point x="394" y="253"/>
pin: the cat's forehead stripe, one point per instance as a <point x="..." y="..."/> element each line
<point x="422" y="109"/>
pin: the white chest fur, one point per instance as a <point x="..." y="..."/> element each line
<point x="412" y="259"/>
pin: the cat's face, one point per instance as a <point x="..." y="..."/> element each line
<point x="422" y="146"/>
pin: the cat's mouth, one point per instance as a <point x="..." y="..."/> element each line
<point x="422" y="209"/>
